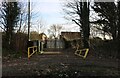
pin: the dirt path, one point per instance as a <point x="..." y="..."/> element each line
<point x="45" y="63"/>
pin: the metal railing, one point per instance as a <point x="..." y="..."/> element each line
<point x="31" y="51"/>
<point x="82" y="52"/>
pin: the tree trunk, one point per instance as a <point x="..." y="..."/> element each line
<point x="118" y="37"/>
<point x="114" y="34"/>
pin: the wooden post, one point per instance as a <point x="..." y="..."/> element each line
<point x="28" y="20"/>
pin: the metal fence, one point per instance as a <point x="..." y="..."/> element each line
<point x="55" y="44"/>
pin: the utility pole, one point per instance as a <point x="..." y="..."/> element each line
<point x="28" y="20"/>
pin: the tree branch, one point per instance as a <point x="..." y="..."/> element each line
<point x="76" y="22"/>
<point x="2" y="28"/>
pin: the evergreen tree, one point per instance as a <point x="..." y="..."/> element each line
<point x="9" y="17"/>
<point x="108" y="12"/>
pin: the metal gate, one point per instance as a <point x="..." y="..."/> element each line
<point x="55" y="44"/>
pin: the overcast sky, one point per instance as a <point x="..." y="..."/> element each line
<point x="51" y="12"/>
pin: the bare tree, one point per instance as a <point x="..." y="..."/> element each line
<point x="22" y="24"/>
<point x="39" y="26"/>
<point x="78" y="12"/>
<point x="23" y="18"/>
<point x="54" y="30"/>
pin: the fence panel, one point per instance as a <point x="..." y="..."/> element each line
<point x="53" y="44"/>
